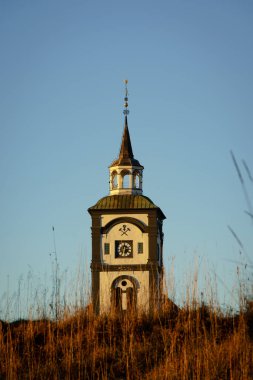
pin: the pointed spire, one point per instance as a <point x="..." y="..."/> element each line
<point x="126" y="157"/>
<point x="126" y="151"/>
<point x="125" y="171"/>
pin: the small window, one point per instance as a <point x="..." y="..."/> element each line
<point x="140" y="247"/>
<point x="107" y="248"/>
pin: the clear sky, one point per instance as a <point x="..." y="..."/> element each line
<point x="190" y="70"/>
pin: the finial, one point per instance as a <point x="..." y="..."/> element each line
<point x="126" y="111"/>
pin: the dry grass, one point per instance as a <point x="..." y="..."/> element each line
<point x="191" y="343"/>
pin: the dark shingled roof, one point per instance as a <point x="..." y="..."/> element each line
<point x="126" y="201"/>
<point x="126" y="157"/>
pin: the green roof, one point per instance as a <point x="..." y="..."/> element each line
<point x="127" y="201"/>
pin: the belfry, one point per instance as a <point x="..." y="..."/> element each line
<point x="127" y="239"/>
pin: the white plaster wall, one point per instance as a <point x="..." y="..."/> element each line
<point x="106" y="280"/>
<point x="136" y="235"/>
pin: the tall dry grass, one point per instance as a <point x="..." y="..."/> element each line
<point x="194" y="342"/>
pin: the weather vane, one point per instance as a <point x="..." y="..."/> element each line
<point x="126" y="111"/>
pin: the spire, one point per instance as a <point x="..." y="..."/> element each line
<point x="126" y="146"/>
<point x="125" y="171"/>
<point x="126" y="157"/>
<point x="126" y="151"/>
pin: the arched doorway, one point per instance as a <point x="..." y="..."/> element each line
<point x="124" y="293"/>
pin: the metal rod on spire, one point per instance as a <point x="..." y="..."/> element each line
<point x="126" y="111"/>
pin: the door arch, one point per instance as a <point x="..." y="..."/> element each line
<point x="124" y="293"/>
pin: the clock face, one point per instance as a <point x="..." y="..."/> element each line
<point x="124" y="248"/>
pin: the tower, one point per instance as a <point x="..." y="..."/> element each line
<point x="127" y="239"/>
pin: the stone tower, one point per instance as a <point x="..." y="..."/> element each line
<point x="127" y="239"/>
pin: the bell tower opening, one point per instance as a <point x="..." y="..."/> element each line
<point x="125" y="175"/>
<point x="137" y="181"/>
<point x="114" y="180"/>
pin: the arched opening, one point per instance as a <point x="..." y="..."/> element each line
<point x="137" y="181"/>
<point x="114" y="180"/>
<point x="124" y="294"/>
<point x="125" y="179"/>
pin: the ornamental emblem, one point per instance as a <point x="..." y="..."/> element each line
<point x="124" y="230"/>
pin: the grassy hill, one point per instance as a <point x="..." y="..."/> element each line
<point x="194" y="342"/>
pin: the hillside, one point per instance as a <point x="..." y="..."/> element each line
<point x="188" y="343"/>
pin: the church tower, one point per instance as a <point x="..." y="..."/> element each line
<point x="127" y="239"/>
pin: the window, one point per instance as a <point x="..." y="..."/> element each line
<point x="107" y="248"/>
<point x="140" y="247"/>
<point x="158" y="252"/>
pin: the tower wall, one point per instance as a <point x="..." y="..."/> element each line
<point x="110" y="229"/>
<point x="106" y="281"/>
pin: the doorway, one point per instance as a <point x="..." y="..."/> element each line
<point x="124" y="294"/>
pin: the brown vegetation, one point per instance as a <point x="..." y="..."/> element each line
<point x="188" y="343"/>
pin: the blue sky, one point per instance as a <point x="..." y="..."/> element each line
<point x="189" y="66"/>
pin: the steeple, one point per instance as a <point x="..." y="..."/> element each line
<point x="127" y="240"/>
<point x="126" y="146"/>
<point x="126" y="171"/>
<point x="126" y="157"/>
